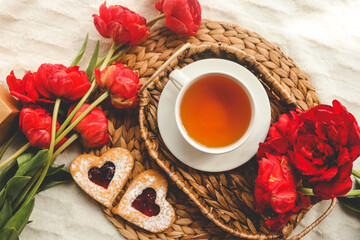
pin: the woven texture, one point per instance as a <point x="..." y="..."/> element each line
<point x="190" y="223"/>
<point x="208" y="205"/>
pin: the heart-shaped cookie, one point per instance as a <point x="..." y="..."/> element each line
<point x="144" y="203"/>
<point x="103" y="177"/>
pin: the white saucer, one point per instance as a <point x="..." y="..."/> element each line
<point x="197" y="159"/>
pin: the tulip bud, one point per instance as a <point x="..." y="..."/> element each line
<point x="121" y="24"/>
<point x="122" y="84"/>
<point x="35" y="123"/>
<point x="275" y="190"/>
<point x="92" y="128"/>
<point x="181" y="16"/>
<point x="24" y="89"/>
<point x="56" y="80"/>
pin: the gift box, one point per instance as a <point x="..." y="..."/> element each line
<point x="9" y="112"/>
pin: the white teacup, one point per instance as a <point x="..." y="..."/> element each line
<point x="183" y="83"/>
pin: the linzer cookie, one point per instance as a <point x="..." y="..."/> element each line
<point x="103" y="177"/>
<point x="144" y="203"/>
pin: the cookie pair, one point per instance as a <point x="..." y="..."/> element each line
<point x="144" y="202"/>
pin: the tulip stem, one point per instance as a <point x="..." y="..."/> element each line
<point x="74" y="111"/>
<point x="151" y="23"/>
<point x="118" y="46"/>
<point x="51" y="150"/>
<point x="7" y="144"/>
<point x="309" y="192"/>
<point x="121" y="53"/>
<point x="82" y="115"/>
<point x="104" y="61"/>
<point x="65" y="145"/>
<point x="100" y="61"/>
<point x="15" y="155"/>
<point x="356" y="173"/>
<point x="108" y="56"/>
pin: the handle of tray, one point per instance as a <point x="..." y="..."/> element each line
<point x="316" y="222"/>
<point x="165" y="65"/>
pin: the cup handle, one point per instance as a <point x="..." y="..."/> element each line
<point x="178" y="78"/>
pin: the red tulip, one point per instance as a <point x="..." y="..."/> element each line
<point x="56" y="80"/>
<point x="181" y="16"/>
<point x="24" y="89"/>
<point x="35" y="123"/>
<point x="122" y="84"/>
<point x="275" y="190"/>
<point x="321" y="144"/>
<point x="326" y="144"/>
<point x="121" y="24"/>
<point x="93" y="129"/>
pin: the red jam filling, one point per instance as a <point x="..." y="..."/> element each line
<point x="102" y="176"/>
<point x="145" y="203"/>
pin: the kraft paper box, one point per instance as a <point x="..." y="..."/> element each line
<point x="9" y="112"/>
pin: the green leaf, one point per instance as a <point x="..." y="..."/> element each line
<point x="5" y="213"/>
<point x="55" y="170"/>
<point x="7" y="173"/>
<point x="33" y="165"/>
<point x="23" y="158"/>
<point x="353" y="196"/>
<point x="81" y="52"/>
<point x="62" y="114"/>
<point x="21" y="217"/>
<point x="9" y="234"/>
<point x="357" y="183"/>
<point x="355" y="173"/>
<point x="53" y="180"/>
<point x="90" y="70"/>
<point x="351" y="203"/>
<point x="2" y="197"/>
<point x="15" y="186"/>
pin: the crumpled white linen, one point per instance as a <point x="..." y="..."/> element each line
<point x="321" y="36"/>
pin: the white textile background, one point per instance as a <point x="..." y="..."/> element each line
<point x="322" y="37"/>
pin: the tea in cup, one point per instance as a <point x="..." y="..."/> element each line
<point x="214" y="112"/>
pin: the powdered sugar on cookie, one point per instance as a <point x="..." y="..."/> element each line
<point x="148" y="179"/>
<point x="123" y="162"/>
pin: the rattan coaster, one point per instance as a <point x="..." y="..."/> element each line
<point x="224" y="198"/>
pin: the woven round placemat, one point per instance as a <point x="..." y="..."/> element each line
<point x="208" y="205"/>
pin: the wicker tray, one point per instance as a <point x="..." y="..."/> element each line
<point x="224" y="198"/>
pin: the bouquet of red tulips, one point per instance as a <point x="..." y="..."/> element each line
<point x="55" y="112"/>
<point x="304" y="150"/>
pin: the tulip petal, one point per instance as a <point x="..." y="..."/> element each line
<point x="338" y="186"/>
<point x="59" y="81"/>
<point x="93" y="129"/>
<point x="25" y="88"/>
<point x="35" y="123"/>
<point x="182" y="16"/>
<point x="278" y="221"/>
<point x="121" y="24"/>
<point x="283" y="197"/>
